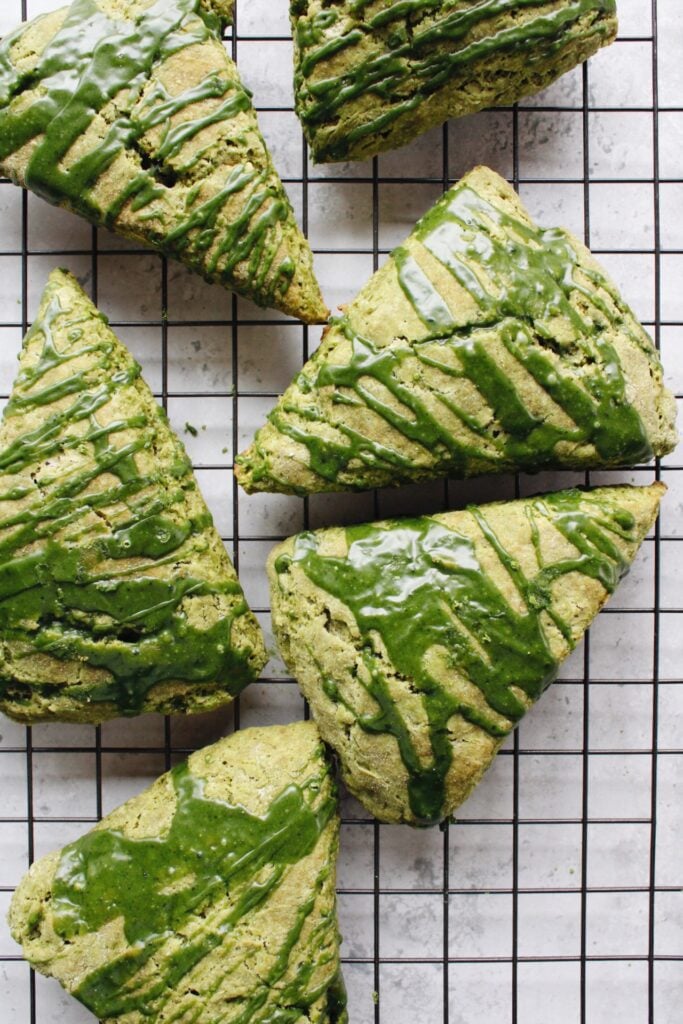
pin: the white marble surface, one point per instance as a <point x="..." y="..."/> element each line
<point x="584" y="744"/>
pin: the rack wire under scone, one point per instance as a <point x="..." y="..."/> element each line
<point x="558" y="894"/>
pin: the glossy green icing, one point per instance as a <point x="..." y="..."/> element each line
<point x="61" y="590"/>
<point x="94" y="58"/>
<point x="524" y="280"/>
<point x="416" y="585"/>
<point x="419" y="45"/>
<point x="158" y="887"/>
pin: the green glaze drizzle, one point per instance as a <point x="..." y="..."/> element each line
<point x="409" y="49"/>
<point x="524" y="281"/>
<point x="176" y="884"/>
<point x="415" y="585"/>
<point x="61" y="589"/>
<point x="94" y="59"/>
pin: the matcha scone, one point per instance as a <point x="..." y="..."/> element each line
<point x="210" y="897"/>
<point x="116" y="593"/>
<point x="421" y="643"/>
<point x="131" y="113"/>
<point x="370" y="75"/>
<point x="484" y="344"/>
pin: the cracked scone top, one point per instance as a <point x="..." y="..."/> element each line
<point x="484" y="344"/>
<point x="421" y="643"/>
<point x="370" y="75"/>
<point x="209" y="897"/>
<point x="131" y="113"/>
<point x="116" y="593"/>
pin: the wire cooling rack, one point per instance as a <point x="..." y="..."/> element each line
<point x="558" y="894"/>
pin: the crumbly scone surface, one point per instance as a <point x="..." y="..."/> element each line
<point x="133" y="115"/>
<point x="371" y="75"/>
<point x="209" y="897"/>
<point x="484" y="344"/>
<point x="421" y="643"/>
<point x="116" y="593"/>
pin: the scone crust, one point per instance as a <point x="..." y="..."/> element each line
<point x="260" y="940"/>
<point x="484" y="344"/>
<point x="420" y="644"/>
<point x="117" y="595"/>
<point x="157" y="139"/>
<point x="370" y="77"/>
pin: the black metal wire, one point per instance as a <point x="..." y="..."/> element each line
<point x="587" y="641"/>
<point x="370" y="983"/>
<point x="446" y="828"/>
<point x="377" y="832"/>
<point x="657" y="554"/>
<point x="514" y="991"/>
<point x="235" y="400"/>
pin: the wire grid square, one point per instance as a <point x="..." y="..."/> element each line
<point x="557" y="895"/>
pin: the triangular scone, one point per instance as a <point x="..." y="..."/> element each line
<point x="210" y="897"/>
<point x="131" y="113"/>
<point x="371" y="75"/>
<point x="420" y="643"/>
<point x="116" y="593"/>
<point x="484" y="344"/>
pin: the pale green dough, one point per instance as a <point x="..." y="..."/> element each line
<point x="117" y="595"/>
<point x="420" y="643"/>
<point x="259" y="931"/>
<point x="132" y="114"/>
<point x="484" y="344"/>
<point x="370" y="75"/>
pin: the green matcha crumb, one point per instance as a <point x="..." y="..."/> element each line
<point x="194" y="644"/>
<point x="438" y="60"/>
<point x="206" y="194"/>
<point x="190" y="429"/>
<point x="269" y="790"/>
<point x="386" y="400"/>
<point x="377" y="602"/>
